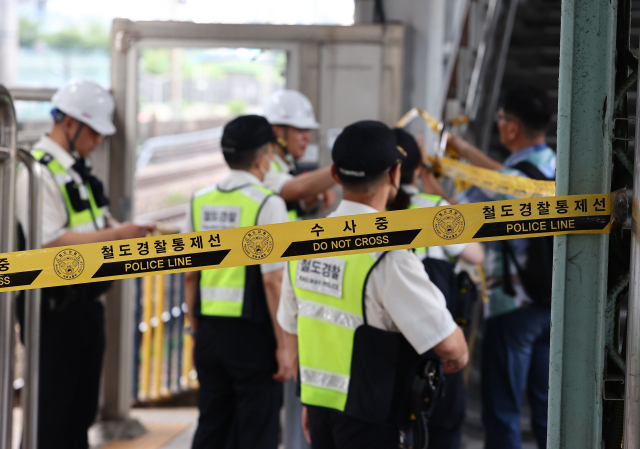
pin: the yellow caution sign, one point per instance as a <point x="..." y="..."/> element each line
<point x="415" y="228"/>
<point x="517" y="186"/>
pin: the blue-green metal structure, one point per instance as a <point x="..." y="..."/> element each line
<point x="585" y="107"/>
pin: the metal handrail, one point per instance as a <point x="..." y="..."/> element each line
<point x="32" y="309"/>
<point x="501" y="62"/>
<point x="453" y="56"/>
<point x="483" y="94"/>
<point x="480" y="65"/>
<point x="8" y="129"/>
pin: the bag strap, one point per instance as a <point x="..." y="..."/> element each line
<point x="507" y="255"/>
<point x="531" y="171"/>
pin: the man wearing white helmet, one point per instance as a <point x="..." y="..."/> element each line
<point x="291" y="116"/>
<point x="74" y="212"/>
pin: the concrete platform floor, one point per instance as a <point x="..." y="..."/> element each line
<point x="154" y="418"/>
<point x="173" y="428"/>
<point x="185" y="416"/>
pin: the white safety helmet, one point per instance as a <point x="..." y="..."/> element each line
<point x="291" y="108"/>
<point x="87" y="102"/>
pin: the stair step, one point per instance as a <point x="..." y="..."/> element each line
<point x="535" y="56"/>
<point x="536" y="37"/>
<point x="542" y="77"/>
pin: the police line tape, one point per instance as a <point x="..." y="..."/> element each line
<point x="517" y="186"/>
<point x="382" y="231"/>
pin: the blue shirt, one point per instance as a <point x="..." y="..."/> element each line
<point x="544" y="158"/>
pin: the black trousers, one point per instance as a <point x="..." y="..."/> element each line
<point x="239" y="402"/>
<point x="331" y="429"/>
<point x="447" y="418"/>
<point x="72" y="344"/>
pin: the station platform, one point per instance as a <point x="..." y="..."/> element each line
<point x="167" y="428"/>
<point x="174" y="427"/>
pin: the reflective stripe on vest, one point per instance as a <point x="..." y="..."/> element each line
<point x="88" y="220"/>
<point x="418" y="201"/>
<point x="330" y="295"/>
<point x="222" y="290"/>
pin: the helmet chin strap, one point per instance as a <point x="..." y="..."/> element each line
<point x="72" y="142"/>
<point x="283" y="143"/>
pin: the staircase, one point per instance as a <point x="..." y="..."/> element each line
<point x="532" y="57"/>
<point x="522" y="49"/>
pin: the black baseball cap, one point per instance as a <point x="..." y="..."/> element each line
<point x="408" y="143"/>
<point x="365" y="149"/>
<point x="246" y="133"/>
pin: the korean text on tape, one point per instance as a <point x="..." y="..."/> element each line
<point x="415" y="228"/>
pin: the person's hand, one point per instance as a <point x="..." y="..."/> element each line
<point x="194" y="322"/>
<point x="327" y="198"/>
<point x="457" y="145"/>
<point x="453" y="366"/>
<point x="132" y="231"/>
<point x="284" y="365"/>
<point x="305" y="424"/>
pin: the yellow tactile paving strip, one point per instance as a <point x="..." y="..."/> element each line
<point x="158" y="434"/>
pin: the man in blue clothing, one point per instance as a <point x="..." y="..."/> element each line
<point x="515" y="351"/>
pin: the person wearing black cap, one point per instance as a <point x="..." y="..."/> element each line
<point x="447" y="418"/>
<point x="240" y="353"/>
<point x="410" y="197"/>
<point x="361" y="321"/>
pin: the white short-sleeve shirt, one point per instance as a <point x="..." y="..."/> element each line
<point x="273" y="211"/>
<point x="275" y="180"/>
<point x="438" y="252"/>
<point x="54" y="209"/>
<point x="399" y="296"/>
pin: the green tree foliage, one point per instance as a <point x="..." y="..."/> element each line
<point x="29" y="31"/>
<point x="155" y="60"/>
<point x="88" y="36"/>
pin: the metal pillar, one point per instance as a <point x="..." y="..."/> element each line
<point x="632" y="390"/>
<point x="585" y="107"/>
<point x="32" y="310"/>
<point x="7" y="224"/>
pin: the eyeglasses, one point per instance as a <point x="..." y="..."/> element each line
<point x="501" y="116"/>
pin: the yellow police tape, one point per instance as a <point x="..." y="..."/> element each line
<point x="516" y="186"/>
<point x="414" y="228"/>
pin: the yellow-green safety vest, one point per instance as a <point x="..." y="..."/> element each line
<point x="83" y="213"/>
<point x="235" y="291"/>
<point x="419" y="201"/>
<point x="330" y="296"/>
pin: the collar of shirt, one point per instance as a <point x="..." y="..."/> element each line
<point x="347" y="207"/>
<point x="60" y="154"/>
<point x="238" y="178"/>
<point x="410" y="189"/>
<point x="282" y="162"/>
<point x="522" y="154"/>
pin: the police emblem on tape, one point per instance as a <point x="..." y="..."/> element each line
<point x="448" y="223"/>
<point x="68" y="264"/>
<point x="257" y="244"/>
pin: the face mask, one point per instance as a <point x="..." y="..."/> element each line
<point x="263" y="170"/>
